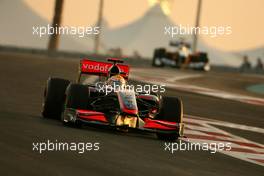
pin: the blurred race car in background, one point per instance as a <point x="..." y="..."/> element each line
<point x="89" y="103"/>
<point x="181" y="58"/>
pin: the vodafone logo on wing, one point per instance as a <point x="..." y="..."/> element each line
<point x="95" y="67"/>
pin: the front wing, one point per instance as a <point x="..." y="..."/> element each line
<point x="99" y="118"/>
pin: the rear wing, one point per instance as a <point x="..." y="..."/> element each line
<point x="101" y="68"/>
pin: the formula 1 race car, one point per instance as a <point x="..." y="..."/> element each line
<point x="123" y="109"/>
<point x="182" y="58"/>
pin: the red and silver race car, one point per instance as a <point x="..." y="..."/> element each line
<point x="82" y="102"/>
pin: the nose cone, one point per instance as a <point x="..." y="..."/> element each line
<point x="127" y="101"/>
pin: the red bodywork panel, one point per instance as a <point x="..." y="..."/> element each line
<point x="101" y="68"/>
<point x="160" y="124"/>
<point x="147" y="97"/>
<point x="91" y="115"/>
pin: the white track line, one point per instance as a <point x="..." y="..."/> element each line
<point x="229" y="124"/>
<point x="200" y="130"/>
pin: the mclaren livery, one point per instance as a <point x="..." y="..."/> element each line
<point x="78" y="103"/>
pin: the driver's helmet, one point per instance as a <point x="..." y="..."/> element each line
<point x="114" y="70"/>
<point x="116" y="80"/>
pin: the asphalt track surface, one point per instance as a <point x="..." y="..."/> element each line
<point x="22" y="79"/>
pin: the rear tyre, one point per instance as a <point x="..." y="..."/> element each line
<point x="54" y="96"/>
<point x="171" y="110"/>
<point x="77" y="97"/>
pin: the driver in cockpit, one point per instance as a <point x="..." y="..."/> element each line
<point x="115" y="78"/>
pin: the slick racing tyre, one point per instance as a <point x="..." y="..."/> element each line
<point x="157" y="57"/>
<point x="171" y="110"/>
<point x="54" y="95"/>
<point x="76" y="98"/>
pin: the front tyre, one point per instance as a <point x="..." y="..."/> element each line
<point x="157" y="57"/>
<point x="171" y="110"/>
<point x="207" y="67"/>
<point x="54" y="95"/>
